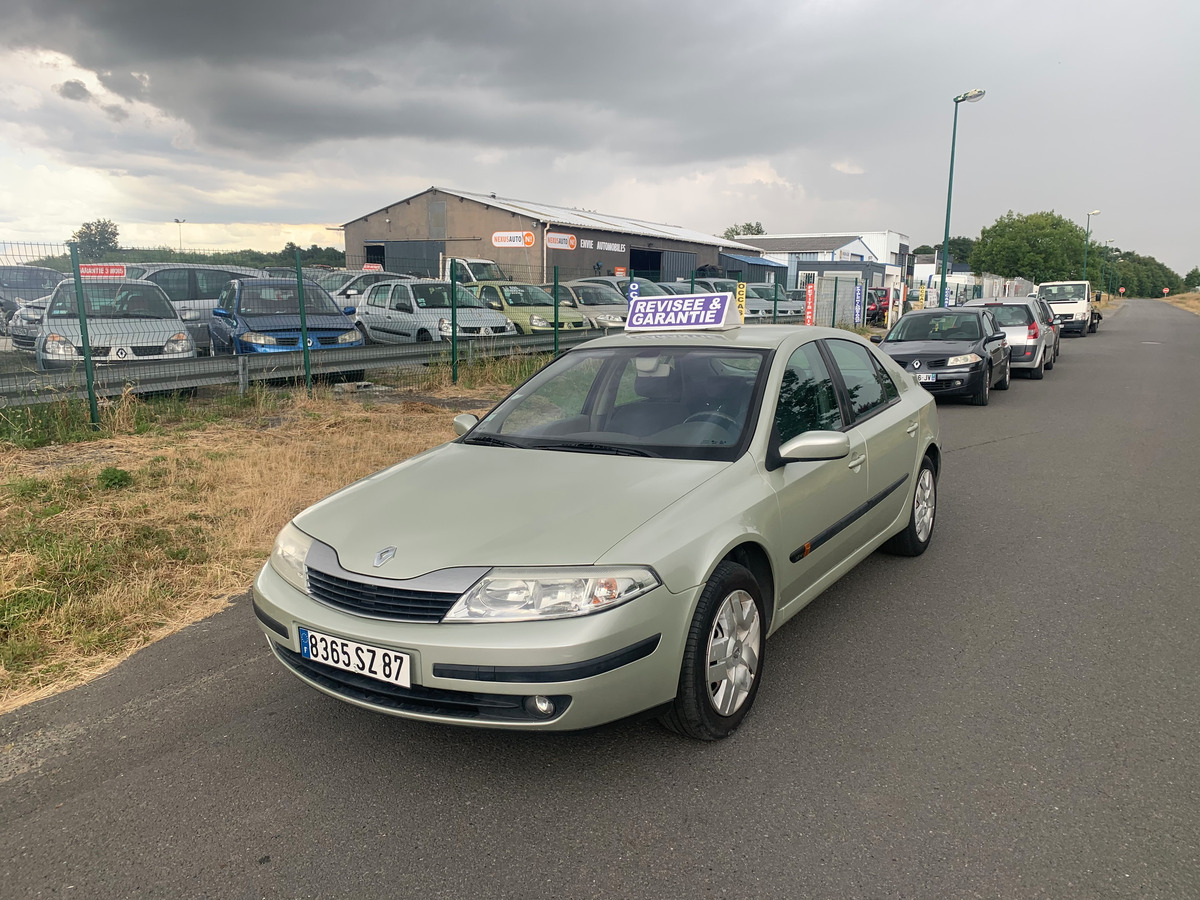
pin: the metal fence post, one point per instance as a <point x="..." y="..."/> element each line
<point x="556" y="312"/>
<point x="453" y="326"/>
<point x="692" y="290"/>
<point x="303" y="326"/>
<point x="243" y="373"/>
<point x="81" y="307"/>
<point x="833" y="318"/>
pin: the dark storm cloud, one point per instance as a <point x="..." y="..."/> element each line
<point x="73" y="90"/>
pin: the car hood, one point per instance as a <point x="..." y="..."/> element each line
<point x="337" y="322"/>
<point x="125" y="331"/>
<point x="928" y="349"/>
<point x="462" y="505"/>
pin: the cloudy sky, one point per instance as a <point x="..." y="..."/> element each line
<point x="264" y="122"/>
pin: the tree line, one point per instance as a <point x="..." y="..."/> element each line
<point x="99" y="241"/>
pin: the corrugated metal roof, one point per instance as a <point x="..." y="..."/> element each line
<point x="586" y="218"/>
<point x="802" y="243"/>
<point x="756" y="260"/>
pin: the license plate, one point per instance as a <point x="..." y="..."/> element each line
<point x="374" y="662"/>
<point x="926" y="378"/>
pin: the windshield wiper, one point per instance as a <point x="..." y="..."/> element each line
<point x="492" y="441"/>
<point x="594" y="447"/>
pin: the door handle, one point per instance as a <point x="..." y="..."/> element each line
<point x="857" y="461"/>
<point x="912" y="427"/>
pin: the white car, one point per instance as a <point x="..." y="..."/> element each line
<point x="406" y="311"/>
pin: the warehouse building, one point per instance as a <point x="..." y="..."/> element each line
<point x="527" y="240"/>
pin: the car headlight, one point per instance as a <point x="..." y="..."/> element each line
<point x="538" y="322"/>
<point x="966" y="360"/>
<point x="443" y="326"/>
<point x="253" y="337"/>
<point x="348" y="337"/>
<point x="522" y="595"/>
<point x="610" y="319"/>
<point x="57" y="345"/>
<point x="288" y="555"/>
<point x="180" y="342"/>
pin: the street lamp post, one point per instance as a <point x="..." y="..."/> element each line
<point x="180" y="222"/>
<point x="971" y="96"/>
<point x="1087" y="240"/>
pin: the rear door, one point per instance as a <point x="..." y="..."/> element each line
<point x="889" y="428"/>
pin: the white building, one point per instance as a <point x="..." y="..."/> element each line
<point x="879" y="258"/>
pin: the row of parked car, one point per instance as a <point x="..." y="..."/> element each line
<point x="968" y="350"/>
<point x="175" y="310"/>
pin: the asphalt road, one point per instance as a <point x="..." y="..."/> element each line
<point x="1013" y="714"/>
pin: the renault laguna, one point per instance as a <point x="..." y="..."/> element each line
<point x="488" y="582"/>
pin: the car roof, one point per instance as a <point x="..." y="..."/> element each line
<point x="752" y="337"/>
<point x="224" y="267"/>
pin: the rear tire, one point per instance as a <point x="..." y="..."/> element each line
<point x="1040" y="372"/>
<point x="723" y="656"/>
<point x="915" y="538"/>
<point x="1003" y="385"/>
<point x="1049" y="363"/>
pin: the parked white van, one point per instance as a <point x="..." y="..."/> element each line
<point x="1072" y="302"/>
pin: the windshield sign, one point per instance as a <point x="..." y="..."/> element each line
<point x="695" y="311"/>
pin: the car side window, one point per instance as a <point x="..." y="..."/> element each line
<point x="225" y="301"/>
<point x="174" y="281"/>
<point x="401" y="301"/>
<point x="209" y="282"/>
<point x="866" y="383"/>
<point x="488" y="292"/>
<point x="378" y="296"/>
<point x="807" y="397"/>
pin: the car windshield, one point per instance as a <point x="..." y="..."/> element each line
<point x="331" y="281"/>
<point x="485" y="271"/>
<point x="646" y="288"/>
<point x="937" y="327"/>
<point x="1057" y="293"/>
<point x="437" y="296"/>
<point x="598" y="295"/>
<point x="766" y="293"/>
<point x="112" y="300"/>
<point x="283" y="300"/>
<point x="677" y="402"/>
<point x="525" y="295"/>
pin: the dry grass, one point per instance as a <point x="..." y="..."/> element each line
<point x="98" y="564"/>
<point x="1189" y="301"/>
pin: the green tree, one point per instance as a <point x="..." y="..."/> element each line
<point x="960" y="248"/>
<point x="924" y="250"/>
<point x="96" y="239"/>
<point x="746" y="228"/>
<point x="1041" y="246"/>
<point x="1191" y="280"/>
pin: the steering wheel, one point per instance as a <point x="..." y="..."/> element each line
<point x="716" y="417"/>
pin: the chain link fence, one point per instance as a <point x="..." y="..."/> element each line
<point x="154" y="321"/>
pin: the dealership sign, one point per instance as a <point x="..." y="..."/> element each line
<point x="512" y="239"/>
<point x="557" y="240"/>
<point x="102" y="270"/>
<point x="683" y="312"/>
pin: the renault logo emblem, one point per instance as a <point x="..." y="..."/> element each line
<point x="916" y="365"/>
<point x="384" y="555"/>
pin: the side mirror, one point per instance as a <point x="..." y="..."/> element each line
<point x="191" y="315"/>
<point x="877" y="339"/>
<point x="566" y="303"/>
<point x="495" y="304"/>
<point x="349" y="310"/>
<point x="1058" y="320"/>
<point x="218" y="311"/>
<point x="816" y="445"/>
<point x="352" y="292"/>
<point x="464" y="423"/>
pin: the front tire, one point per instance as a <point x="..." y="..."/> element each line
<point x="723" y="657"/>
<point x="915" y="538"/>
<point x="983" y="394"/>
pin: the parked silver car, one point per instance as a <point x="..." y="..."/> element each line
<point x="601" y="304"/>
<point x="1031" y="337"/>
<point x="127" y="321"/>
<point x="406" y="311"/>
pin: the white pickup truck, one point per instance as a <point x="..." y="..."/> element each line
<point x="1072" y="301"/>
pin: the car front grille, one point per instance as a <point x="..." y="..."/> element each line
<point x="925" y="363"/>
<point x="416" y="699"/>
<point x="368" y="599"/>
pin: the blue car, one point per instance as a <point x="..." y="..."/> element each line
<point x="262" y="315"/>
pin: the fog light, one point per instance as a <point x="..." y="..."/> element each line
<point x="539" y="706"/>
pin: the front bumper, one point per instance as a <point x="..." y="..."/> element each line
<point x="955" y="382"/>
<point x="594" y="669"/>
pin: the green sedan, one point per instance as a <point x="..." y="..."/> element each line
<point x="529" y="307"/>
<point x="487" y="582"/>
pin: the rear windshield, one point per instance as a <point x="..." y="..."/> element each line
<point x="1012" y="316"/>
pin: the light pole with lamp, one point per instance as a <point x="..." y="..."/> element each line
<point x="972" y="96"/>
<point x="180" y="222"/>
<point x="1087" y="240"/>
